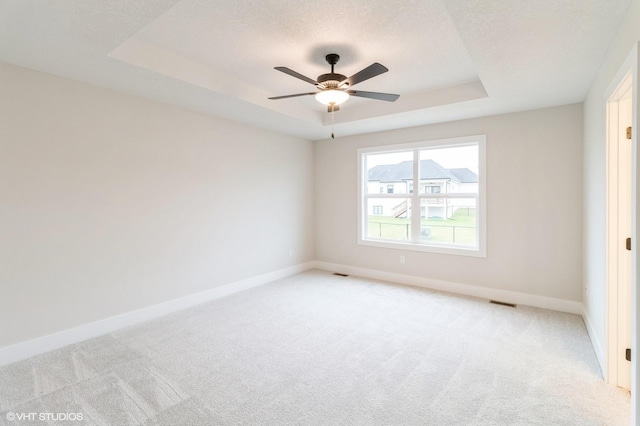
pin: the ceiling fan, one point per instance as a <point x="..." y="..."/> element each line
<point x="334" y="89"/>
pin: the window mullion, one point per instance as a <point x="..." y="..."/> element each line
<point x="415" y="198"/>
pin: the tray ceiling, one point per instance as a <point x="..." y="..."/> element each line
<point x="448" y="59"/>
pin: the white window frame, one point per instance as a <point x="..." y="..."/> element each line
<point x="415" y="244"/>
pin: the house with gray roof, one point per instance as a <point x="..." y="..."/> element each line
<point x="434" y="179"/>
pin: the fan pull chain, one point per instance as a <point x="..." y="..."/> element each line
<point x="333" y="136"/>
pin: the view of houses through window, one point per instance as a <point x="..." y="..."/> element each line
<point x="425" y="195"/>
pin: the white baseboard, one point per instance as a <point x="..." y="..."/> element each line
<point x="39" y="345"/>
<point x="551" y="303"/>
<point x="595" y="342"/>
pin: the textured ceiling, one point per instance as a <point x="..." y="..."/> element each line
<point x="448" y="59"/>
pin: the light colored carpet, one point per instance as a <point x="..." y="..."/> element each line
<point x="316" y="349"/>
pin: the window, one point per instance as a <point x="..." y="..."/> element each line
<point x="447" y="214"/>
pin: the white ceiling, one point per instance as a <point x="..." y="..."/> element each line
<point x="448" y="59"/>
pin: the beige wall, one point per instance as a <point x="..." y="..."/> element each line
<point x="534" y="201"/>
<point x="110" y="203"/>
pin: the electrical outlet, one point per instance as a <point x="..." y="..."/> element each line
<point x="402" y="260"/>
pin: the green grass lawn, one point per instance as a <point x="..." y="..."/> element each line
<point x="460" y="229"/>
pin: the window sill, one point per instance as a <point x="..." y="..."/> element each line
<point x="406" y="245"/>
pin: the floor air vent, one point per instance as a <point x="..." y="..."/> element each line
<point x="495" y="302"/>
<point x="340" y="275"/>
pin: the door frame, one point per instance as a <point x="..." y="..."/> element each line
<point x="629" y="69"/>
<point x="619" y="321"/>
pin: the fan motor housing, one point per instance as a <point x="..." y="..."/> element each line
<point x="331" y="76"/>
<point x="332" y="81"/>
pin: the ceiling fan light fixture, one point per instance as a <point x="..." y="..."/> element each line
<point x="333" y="87"/>
<point x="332" y="97"/>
